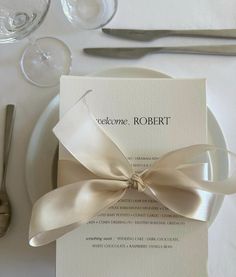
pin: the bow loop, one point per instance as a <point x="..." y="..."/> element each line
<point x="79" y="132"/>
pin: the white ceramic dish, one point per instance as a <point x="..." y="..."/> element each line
<point x="43" y="145"/>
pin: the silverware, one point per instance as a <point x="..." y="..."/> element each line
<point x="5" y="206"/>
<point x="138" y="52"/>
<point x="148" y="35"/>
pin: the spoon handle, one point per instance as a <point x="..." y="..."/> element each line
<point x="9" y="123"/>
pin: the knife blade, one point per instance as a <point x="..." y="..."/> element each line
<point x="148" y="35"/>
<point x="138" y="52"/>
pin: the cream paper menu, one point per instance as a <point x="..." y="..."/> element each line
<point x="138" y="237"/>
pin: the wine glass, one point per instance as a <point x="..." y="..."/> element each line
<point x="89" y="14"/>
<point x="45" y="59"/>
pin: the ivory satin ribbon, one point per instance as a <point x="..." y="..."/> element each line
<point x="179" y="185"/>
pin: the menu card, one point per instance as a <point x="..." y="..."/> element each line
<point x="138" y="236"/>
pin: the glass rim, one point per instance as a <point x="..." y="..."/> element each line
<point x="95" y="27"/>
<point x="27" y="31"/>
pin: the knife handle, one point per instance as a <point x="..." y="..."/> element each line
<point x="223" y="33"/>
<point x="225" y="50"/>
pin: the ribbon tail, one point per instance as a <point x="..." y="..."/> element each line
<point x="66" y="208"/>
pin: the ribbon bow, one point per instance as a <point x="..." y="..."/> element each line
<point x="100" y="175"/>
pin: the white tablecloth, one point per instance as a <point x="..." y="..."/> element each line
<point x="16" y="257"/>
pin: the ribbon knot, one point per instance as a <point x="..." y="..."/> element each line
<point x="136" y="182"/>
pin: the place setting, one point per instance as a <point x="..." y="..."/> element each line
<point x="127" y="168"/>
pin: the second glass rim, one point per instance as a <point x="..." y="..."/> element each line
<point x="84" y="27"/>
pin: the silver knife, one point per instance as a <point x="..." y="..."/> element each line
<point x="138" y="52"/>
<point x="148" y="35"/>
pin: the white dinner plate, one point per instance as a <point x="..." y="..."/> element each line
<point x="40" y="158"/>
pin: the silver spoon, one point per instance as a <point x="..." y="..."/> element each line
<point x="5" y="206"/>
